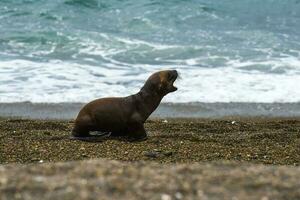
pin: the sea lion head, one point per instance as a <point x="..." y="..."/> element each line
<point x="162" y="82"/>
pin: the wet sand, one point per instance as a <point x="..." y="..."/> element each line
<point x="69" y="111"/>
<point x="219" y="157"/>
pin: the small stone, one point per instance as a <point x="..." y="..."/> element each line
<point x="39" y="178"/>
<point x="157" y="150"/>
<point x="47" y="133"/>
<point x="151" y="154"/>
<point x="41" y="161"/>
<point x="84" y="155"/>
<point x="168" y="153"/>
<point x="165" y="197"/>
<point x="264" y="198"/>
<point x="233" y="122"/>
<point x="165" y="121"/>
<point x="178" y="195"/>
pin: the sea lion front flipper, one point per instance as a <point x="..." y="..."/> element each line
<point x="137" y="132"/>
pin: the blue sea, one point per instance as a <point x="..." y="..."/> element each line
<point x="78" y="50"/>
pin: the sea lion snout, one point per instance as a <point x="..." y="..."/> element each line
<point x="173" y="76"/>
<point x="167" y="79"/>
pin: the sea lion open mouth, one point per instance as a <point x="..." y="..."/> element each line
<point x="172" y="78"/>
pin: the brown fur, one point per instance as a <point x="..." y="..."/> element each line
<point x="125" y="116"/>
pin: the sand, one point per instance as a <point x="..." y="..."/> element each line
<point x="106" y="179"/>
<point x="193" y="158"/>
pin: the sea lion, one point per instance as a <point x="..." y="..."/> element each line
<point x="125" y="116"/>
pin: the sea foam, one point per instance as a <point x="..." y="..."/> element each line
<point x="76" y="51"/>
<point x="58" y="81"/>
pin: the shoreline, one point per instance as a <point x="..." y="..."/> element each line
<point x="67" y="111"/>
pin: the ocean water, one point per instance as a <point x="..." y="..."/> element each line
<point x="78" y="50"/>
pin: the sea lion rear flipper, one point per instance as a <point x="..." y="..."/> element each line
<point x="91" y="138"/>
